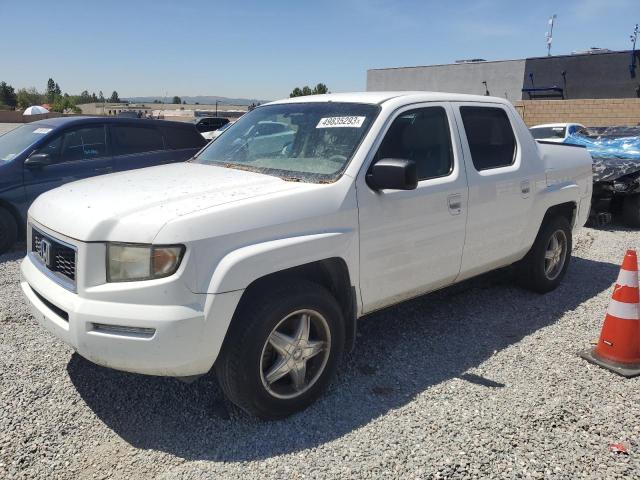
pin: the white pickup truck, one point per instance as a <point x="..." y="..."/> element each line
<point x="258" y="256"/>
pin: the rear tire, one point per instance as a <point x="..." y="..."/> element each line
<point x="544" y="267"/>
<point x="260" y="367"/>
<point x="8" y="230"/>
<point x="631" y="210"/>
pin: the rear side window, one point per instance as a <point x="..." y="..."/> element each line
<point x="421" y="135"/>
<point x="129" y="139"/>
<point x="84" y="143"/>
<point x="178" y="138"/>
<point x="490" y="136"/>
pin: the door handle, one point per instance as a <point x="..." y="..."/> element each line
<point x="525" y="188"/>
<point x="455" y="203"/>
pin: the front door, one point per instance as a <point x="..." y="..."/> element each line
<point x="411" y="241"/>
<point x="76" y="153"/>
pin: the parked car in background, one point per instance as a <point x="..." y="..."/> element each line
<point x="259" y="256"/>
<point x="216" y="133"/>
<point x="554" y="132"/>
<point x="209" y="124"/>
<point x="42" y="155"/>
<point x="129" y="114"/>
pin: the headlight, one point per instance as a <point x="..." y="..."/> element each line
<point x="126" y="263"/>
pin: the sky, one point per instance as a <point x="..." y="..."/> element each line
<point x="264" y="48"/>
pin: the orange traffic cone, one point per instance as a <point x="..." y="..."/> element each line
<point x="618" y="348"/>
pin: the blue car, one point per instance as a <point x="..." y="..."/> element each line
<point x="43" y="155"/>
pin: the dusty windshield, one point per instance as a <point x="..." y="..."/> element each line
<point x="310" y="142"/>
<point x="16" y="141"/>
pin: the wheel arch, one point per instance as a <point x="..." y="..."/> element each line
<point x="568" y="210"/>
<point x="330" y="273"/>
<point x="8" y="206"/>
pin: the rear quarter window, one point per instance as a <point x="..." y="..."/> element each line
<point x="490" y="136"/>
<point x="179" y="138"/>
<point x="129" y="139"/>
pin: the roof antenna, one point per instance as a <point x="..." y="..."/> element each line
<point x="549" y="34"/>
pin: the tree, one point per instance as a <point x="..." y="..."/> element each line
<point x="319" y="89"/>
<point x="114" y="97"/>
<point x="84" y="97"/>
<point x="28" y="97"/>
<point x="57" y="90"/>
<point x="51" y="90"/>
<point x="65" y="104"/>
<point x="94" y="98"/>
<point x="176" y="100"/>
<point x="100" y="96"/>
<point x="8" y="95"/>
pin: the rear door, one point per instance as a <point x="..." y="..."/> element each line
<point x="137" y="146"/>
<point x="77" y="153"/>
<point x="501" y="187"/>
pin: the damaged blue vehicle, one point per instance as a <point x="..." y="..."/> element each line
<point x="616" y="172"/>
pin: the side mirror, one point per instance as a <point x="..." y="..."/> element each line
<point x="393" y="174"/>
<point x="38" y="160"/>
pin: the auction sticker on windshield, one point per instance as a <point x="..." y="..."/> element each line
<point x="341" y="122"/>
<point x="42" y="130"/>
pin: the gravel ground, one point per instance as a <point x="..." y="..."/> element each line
<point x="480" y="380"/>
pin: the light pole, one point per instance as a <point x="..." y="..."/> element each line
<point x="217" y="101"/>
<point x="549" y="34"/>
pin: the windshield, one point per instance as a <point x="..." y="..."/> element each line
<point x="548" y="132"/>
<point x="310" y="142"/>
<point x="16" y="141"/>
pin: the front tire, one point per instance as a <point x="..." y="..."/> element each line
<point x="282" y="349"/>
<point x="544" y="267"/>
<point x="8" y="230"/>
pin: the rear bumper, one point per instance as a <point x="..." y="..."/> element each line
<point x="167" y="340"/>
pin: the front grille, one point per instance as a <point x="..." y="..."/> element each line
<point x="60" y="259"/>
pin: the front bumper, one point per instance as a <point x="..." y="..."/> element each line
<point x="167" y="340"/>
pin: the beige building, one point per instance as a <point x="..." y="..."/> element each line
<point x="161" y="110"/>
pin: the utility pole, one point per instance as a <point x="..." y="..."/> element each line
<point x="217" y="101"/>
<point x="549" y="34"/>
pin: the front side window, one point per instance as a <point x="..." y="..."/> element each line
<point x="84" y="143"/>
<point x="490" y="136"/>
<point x="310" y="142"/>
<point x="421" y="135"/>
<point x="129" y="139"/>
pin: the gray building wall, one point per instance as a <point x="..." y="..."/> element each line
<point x="592" y="76"/>
<point x="601" y="75"/>
<point x="504" y="79"/>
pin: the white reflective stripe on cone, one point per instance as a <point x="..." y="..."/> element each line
<point x="625" y="311"/>
<point x="628" y="278"/>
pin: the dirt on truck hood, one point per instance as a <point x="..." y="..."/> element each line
<point x="133" y="206"/>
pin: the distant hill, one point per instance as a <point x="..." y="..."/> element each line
<point x="201" y="99"/>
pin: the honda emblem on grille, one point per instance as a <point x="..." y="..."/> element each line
<point x="44" y="251"/>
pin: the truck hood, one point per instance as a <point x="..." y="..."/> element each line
<point x="133" y="206"/>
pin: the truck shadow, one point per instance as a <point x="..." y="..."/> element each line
<point x="400" y="353"/>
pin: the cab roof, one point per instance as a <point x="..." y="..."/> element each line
<point x="86" y="120"/>
<point x="378" y="98"/>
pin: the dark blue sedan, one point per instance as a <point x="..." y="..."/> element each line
<point x="42" y="155"/>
